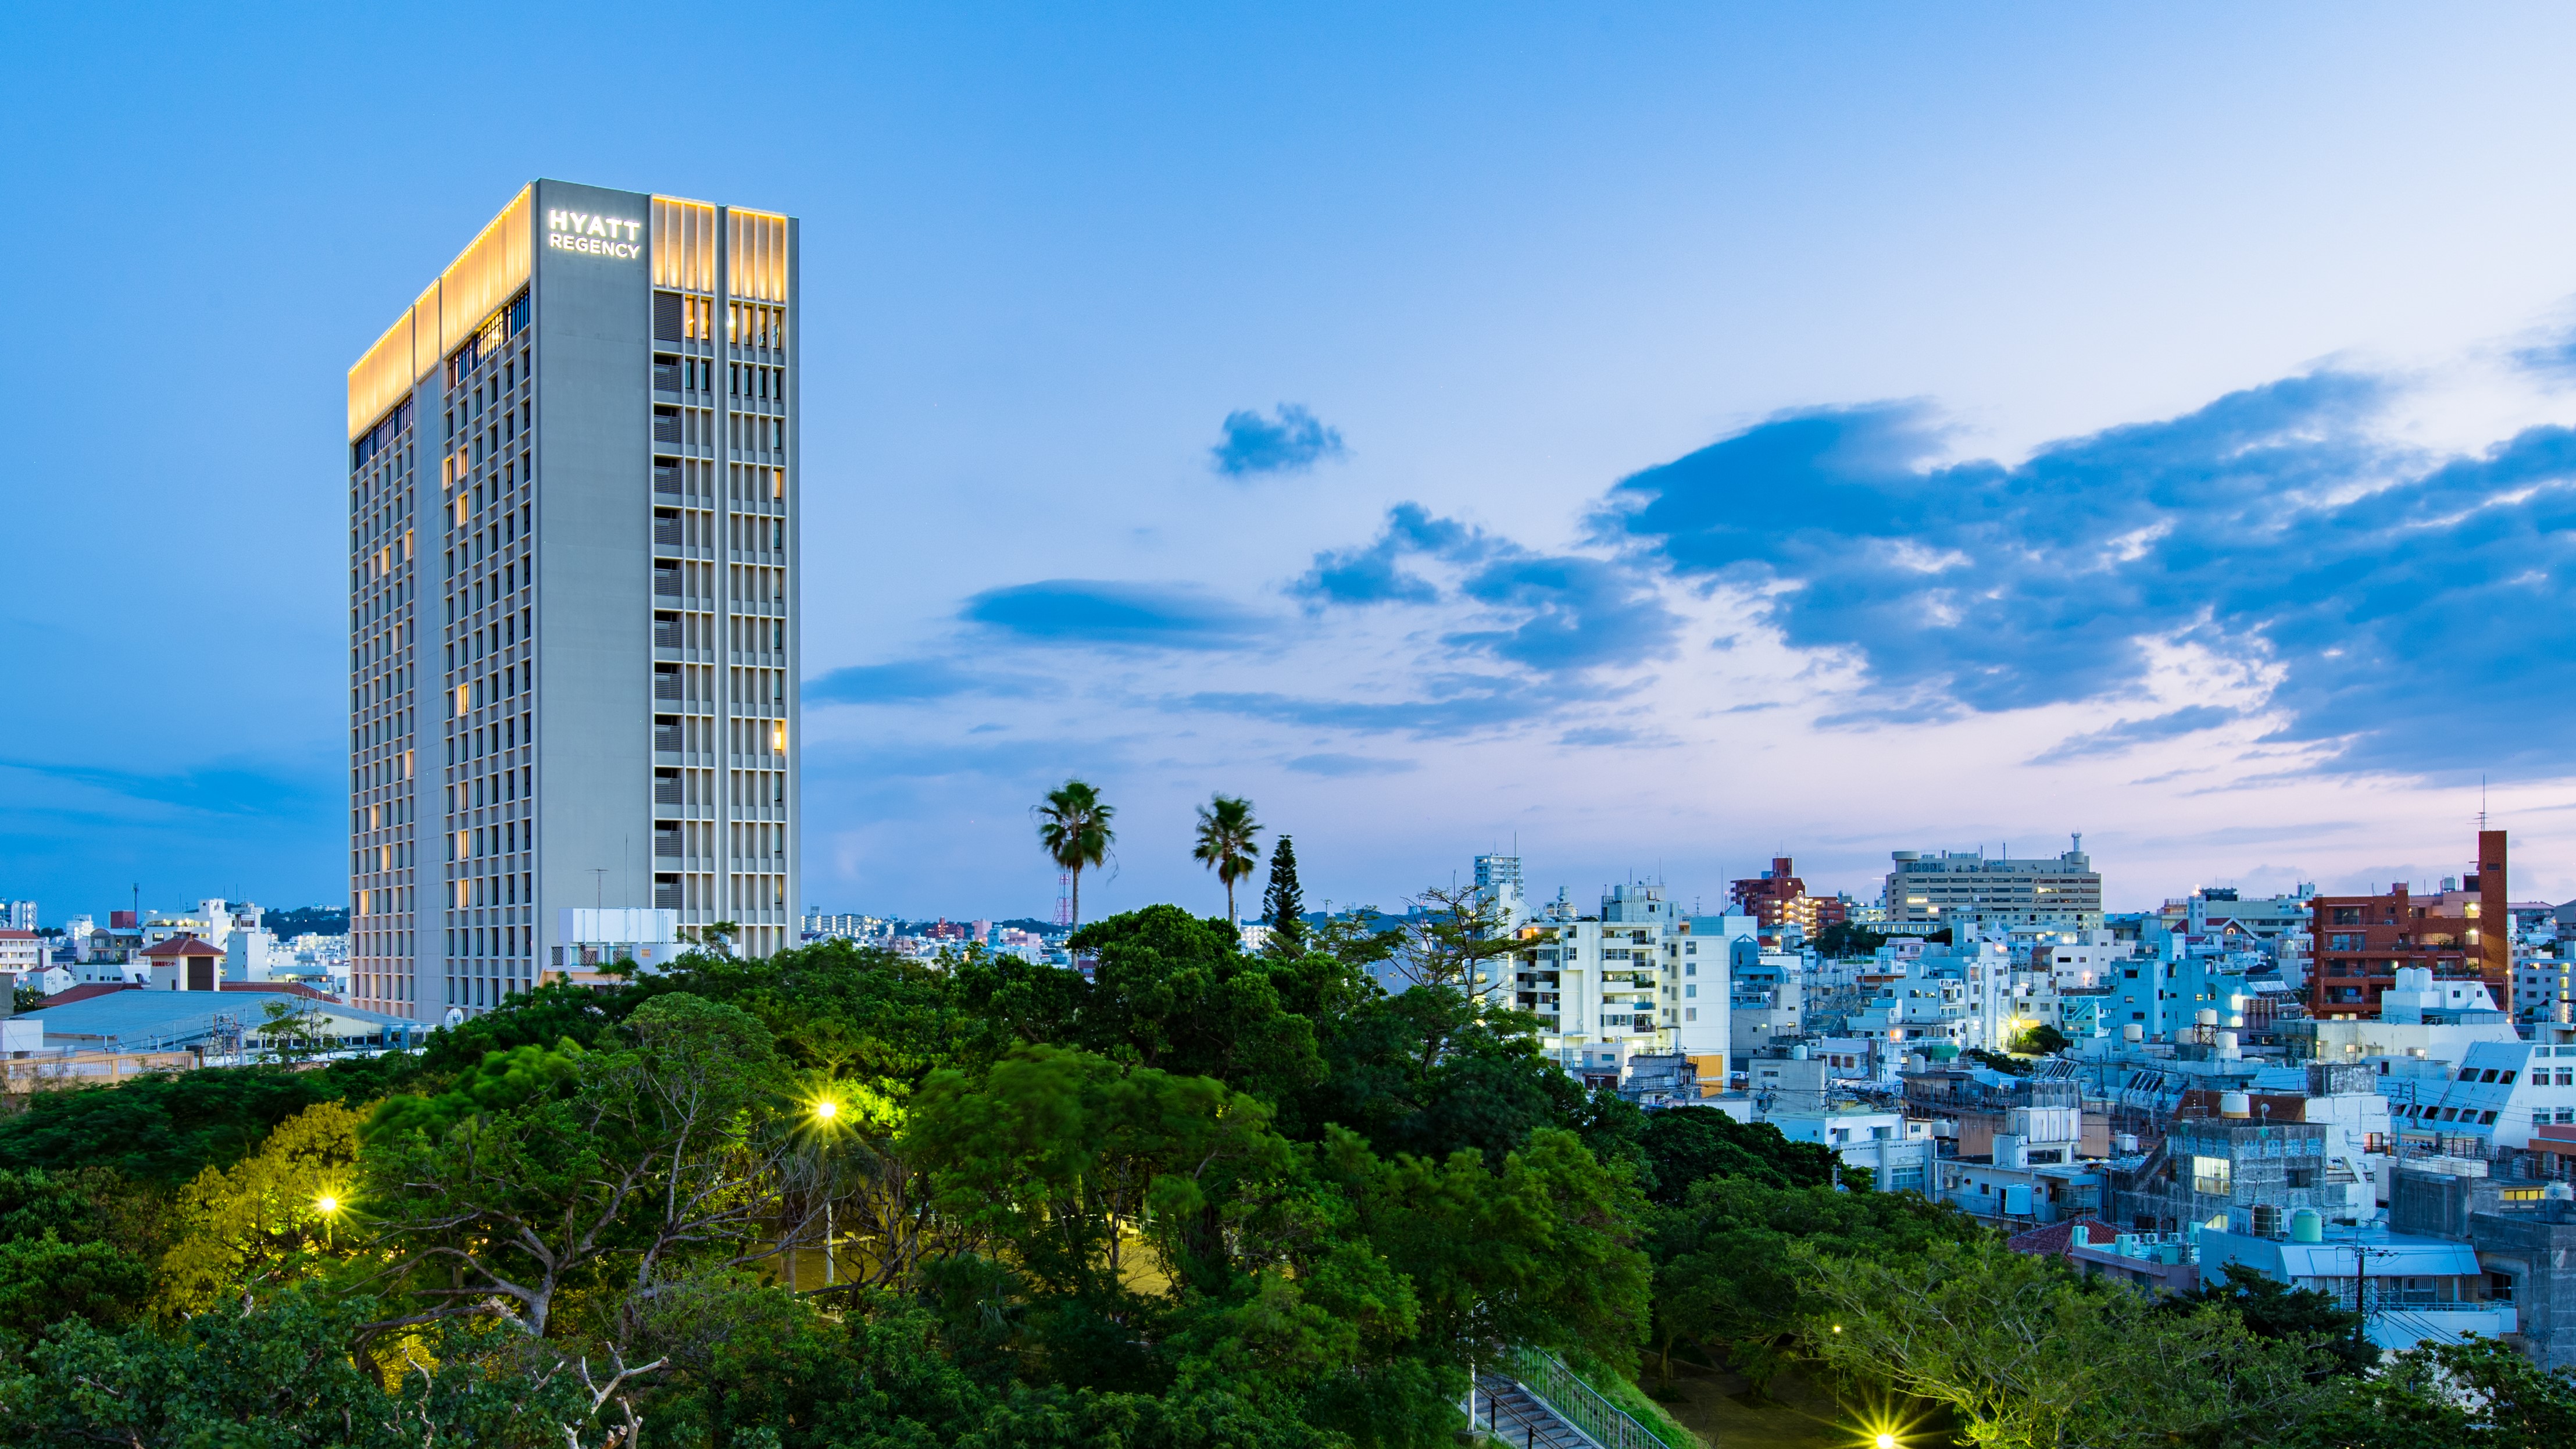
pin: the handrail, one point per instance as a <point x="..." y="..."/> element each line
<point x="1545" y="1377"/>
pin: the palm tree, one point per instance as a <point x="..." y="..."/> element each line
<point x="1226" y="828"/>
<point x="1073" y="826"/>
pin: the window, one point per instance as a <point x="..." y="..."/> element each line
<point x="666" y="316"/>
<point x="2210" y="1175"/>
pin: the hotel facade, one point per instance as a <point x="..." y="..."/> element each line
<point x="573" y="536"/>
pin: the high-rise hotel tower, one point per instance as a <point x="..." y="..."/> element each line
<point x="572" y="594"/>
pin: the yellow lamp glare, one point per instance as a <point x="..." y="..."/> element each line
<point x="827" y="1109"/>
<point x="1886" y="1441"/>
<point x="327" y="1203"/>
<point x="1838" y="1328"/>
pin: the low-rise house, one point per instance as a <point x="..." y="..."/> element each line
<point x="2033" y="1172"/>
<point x="2155" y="1262"/>
<point x="1978" y="1101"/>
<point x="185" y="963"/>
<point x="2408" y="1287"/>
<point x="1797" y="1094"/>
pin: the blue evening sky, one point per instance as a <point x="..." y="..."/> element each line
<point x="1662" y="436"/>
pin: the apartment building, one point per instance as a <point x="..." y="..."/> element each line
<point x="573" y="633"/>
<point x="1968" y="893"/>
<point x="1778" y="897"/>
<point x="2360" y="943"/>
<point x="1637" y="978"/>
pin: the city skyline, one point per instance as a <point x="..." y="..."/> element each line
<point x="1825" y="497"/>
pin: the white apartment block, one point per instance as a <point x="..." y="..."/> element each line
<point x="2500" y="1092"/>
<point x="1638" y="978"/>
<point x="22" y="955"/>
<point x="572" y="627"/>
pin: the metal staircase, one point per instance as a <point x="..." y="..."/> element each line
<point x="1532" y="1400"/>
<point x="1511" y="1415"/>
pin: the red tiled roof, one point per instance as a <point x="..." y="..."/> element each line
<point x="85" y="992"/>
<point x="184" y="946"/>
<point x="15" y="935"/>
<point x="2054" y="1240"/>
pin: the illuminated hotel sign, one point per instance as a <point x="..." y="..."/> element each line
<point x="605" y="236"/>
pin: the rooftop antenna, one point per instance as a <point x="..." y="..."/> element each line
<point x="2482" y="802"/>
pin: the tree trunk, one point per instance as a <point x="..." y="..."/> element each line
<point x="1229" y="903"/>
<point x="1076" y="922"/>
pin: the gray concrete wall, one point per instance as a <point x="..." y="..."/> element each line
<point x="593" y="556"/>
<point x="2535" y="1247"/>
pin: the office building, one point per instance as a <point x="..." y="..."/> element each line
<point x="1966" y="893"/>
<point x="573" y="628"/>
<point x="2360" y="943"/>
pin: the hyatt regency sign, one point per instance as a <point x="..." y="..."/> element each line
<point x="605" y="236"/>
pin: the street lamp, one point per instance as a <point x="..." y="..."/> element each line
<point x="827" y="1113"/>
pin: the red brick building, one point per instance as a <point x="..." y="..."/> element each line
<point x="2357" y="943"/>
<point x="1778" y="896"/>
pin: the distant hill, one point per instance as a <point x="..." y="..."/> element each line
<point x="307" y="920"/>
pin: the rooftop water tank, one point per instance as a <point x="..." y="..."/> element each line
<point x="2227" y="1044"/>
<point x="2208" y="1017"/>
<point x="2126" y="1142"/>
<point x="2133" y="1032"/>
<point x="2235" y="1104"/>
<point x="2307" y="1225"/>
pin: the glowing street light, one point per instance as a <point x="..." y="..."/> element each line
<point x="1885" y="1441"/>
<point x="826" y="1110"/>
<point x="326" y="1204"/>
